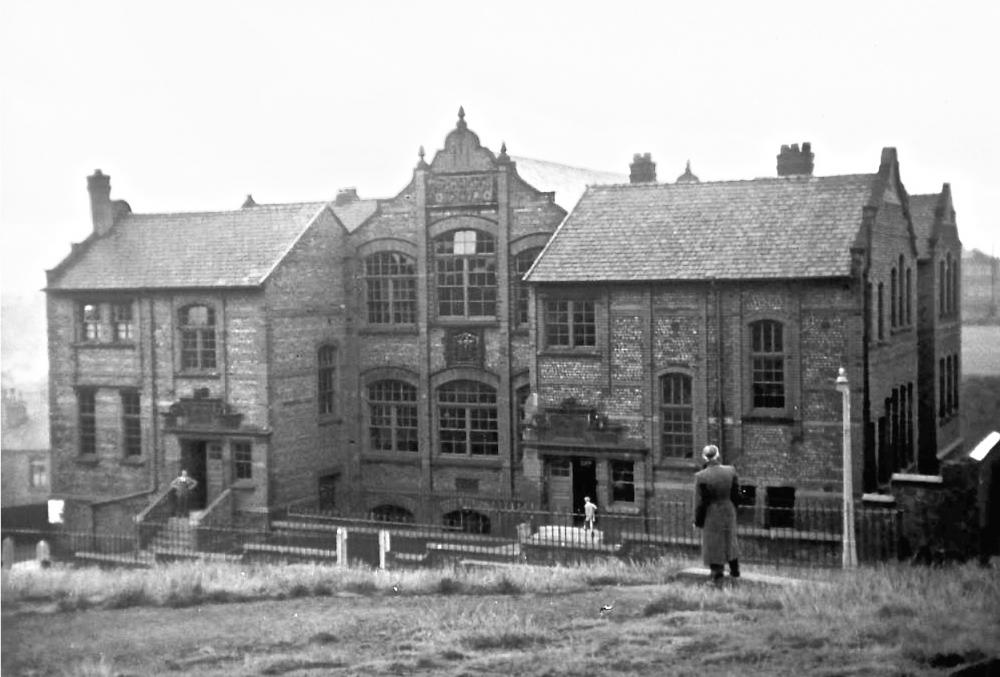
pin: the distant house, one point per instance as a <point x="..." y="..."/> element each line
<point x="673" y="315"/>
<point x="24" y="453"/>
<point x="980" y="286"/>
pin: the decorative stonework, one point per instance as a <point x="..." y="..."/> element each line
<point x="464" y="347"/>
<point x="457" y="190"/>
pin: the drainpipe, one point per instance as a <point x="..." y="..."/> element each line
<point x="718" y="377"/>
<point x="869" y="480"/>
<point x="154" y="470"/>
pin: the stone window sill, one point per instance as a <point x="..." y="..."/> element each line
<point x="244" y="484"/>
<point x="198" y="374"/>
<point x="120" y="345"/>
<point x="89" y="459"/>
<point x="589" y="353"/>
<point x="389" y="329"/>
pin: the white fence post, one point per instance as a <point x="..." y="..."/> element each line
<point x="341" y="547"/>
<point x="384" y="545"/>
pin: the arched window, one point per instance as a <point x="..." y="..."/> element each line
<point x="391" y="513"/>
<point x="391" y="288"/>
<point x="901" y="302"/>
<point x="519" y="289"/>
<point x="392" y="416"/>
<point x="197" y="337"/>
<point x="880" y="304"/>
<point x="893" y="299"/>
<point x="676" y="416"/>
<point x="469" y="521"/>
<point x="954" y="286"/>
<point x="467" y="419"/>
<point x="942" y="289"/>
<point x="466" y="265"/>
<point x="909" y="297"/>
<point x="767" y="364"/>
<point x="327" y="379"/>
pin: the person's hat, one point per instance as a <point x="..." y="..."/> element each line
<point x="710" y="452"/>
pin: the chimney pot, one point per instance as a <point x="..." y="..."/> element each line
<point x="643" y="169"/>
<point x="795" y="162"/>
<point x="102" y="212"/>
<point x="346" y="196"/>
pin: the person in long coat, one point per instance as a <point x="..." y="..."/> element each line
<point x="716" y="492"/>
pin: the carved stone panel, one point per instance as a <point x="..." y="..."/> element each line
<point x="458" y="190"/>
<point x="463" y="347"/>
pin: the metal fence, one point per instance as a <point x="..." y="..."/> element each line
<point x="806" y="535"/>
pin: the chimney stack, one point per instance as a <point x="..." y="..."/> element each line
<point x="346" y="196"/>
<point x="102" y="212"/>
<point x="795" y="162"/>
<point x="643" y="169"/>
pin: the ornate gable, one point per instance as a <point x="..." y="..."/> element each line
<point x="462" y="152"/>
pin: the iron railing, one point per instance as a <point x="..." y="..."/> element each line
<point x="806" y="535"/>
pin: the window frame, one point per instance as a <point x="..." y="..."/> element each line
<point x="38" y="474"/>
<point x="398" y="288"/>
<point x="520" y="291"/>
<point x="668" y="411"/>
<point x="242" y="460"/>
<point x="204" y="338"/>
<point x="577" y="321"/>
<point x="131" y="415"/>
<point x="621" y="476"/>
<point x="86" y="413"/>
<point x="399" y="410"/>
<point x="468" y="413"/>
<point x="122" y="327"/>
<point x="462" y="270"/>
<point x="757" y="358"/>
<point x="327" y="358"/>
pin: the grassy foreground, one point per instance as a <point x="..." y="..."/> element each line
<point x="300" y="620"/>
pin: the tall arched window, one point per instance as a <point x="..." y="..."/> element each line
<point x="954" y="285"/>
<point x="467" y="419"/>
<point x="901" y="302"/>
<point x="466" y="265"/>
<point x="391" y="288"/>
<point x="767" y="364"/>
<point x="392" y="416"/>
<point x="893" y="298"/>
<point x="519" y="289"/>
<point x="880" y="305"/>
<point x="909" y="297"/>
<point x="327" y="379"/>
<point x="676" y="416"/>
<point x="197" y="337"/>
<point x="942" y="289"/>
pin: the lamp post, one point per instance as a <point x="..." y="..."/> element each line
<point x="850" y="553"/>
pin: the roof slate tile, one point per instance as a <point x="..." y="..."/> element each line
<point x="782" y="227"/>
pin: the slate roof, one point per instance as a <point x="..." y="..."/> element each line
<point x="188" y="250"/>
<point x="783" y="227"/>
<point x="569" y="183"/>
<point x="922" y="214"/>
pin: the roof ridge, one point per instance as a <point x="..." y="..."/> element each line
<point x="774" y="179"/>
<point x="238" y="210"/>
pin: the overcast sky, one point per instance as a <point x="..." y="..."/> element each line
<point x="192" y="105"/>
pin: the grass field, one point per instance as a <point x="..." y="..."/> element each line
<point x="305" y="620"/>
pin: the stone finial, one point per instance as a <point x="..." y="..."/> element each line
<point x="421" y="163"/>
<point x="688" y="176"/>
<point x="249" y="202"/>
<point x="461" y="118"/>
<point x="503" y="157"/>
